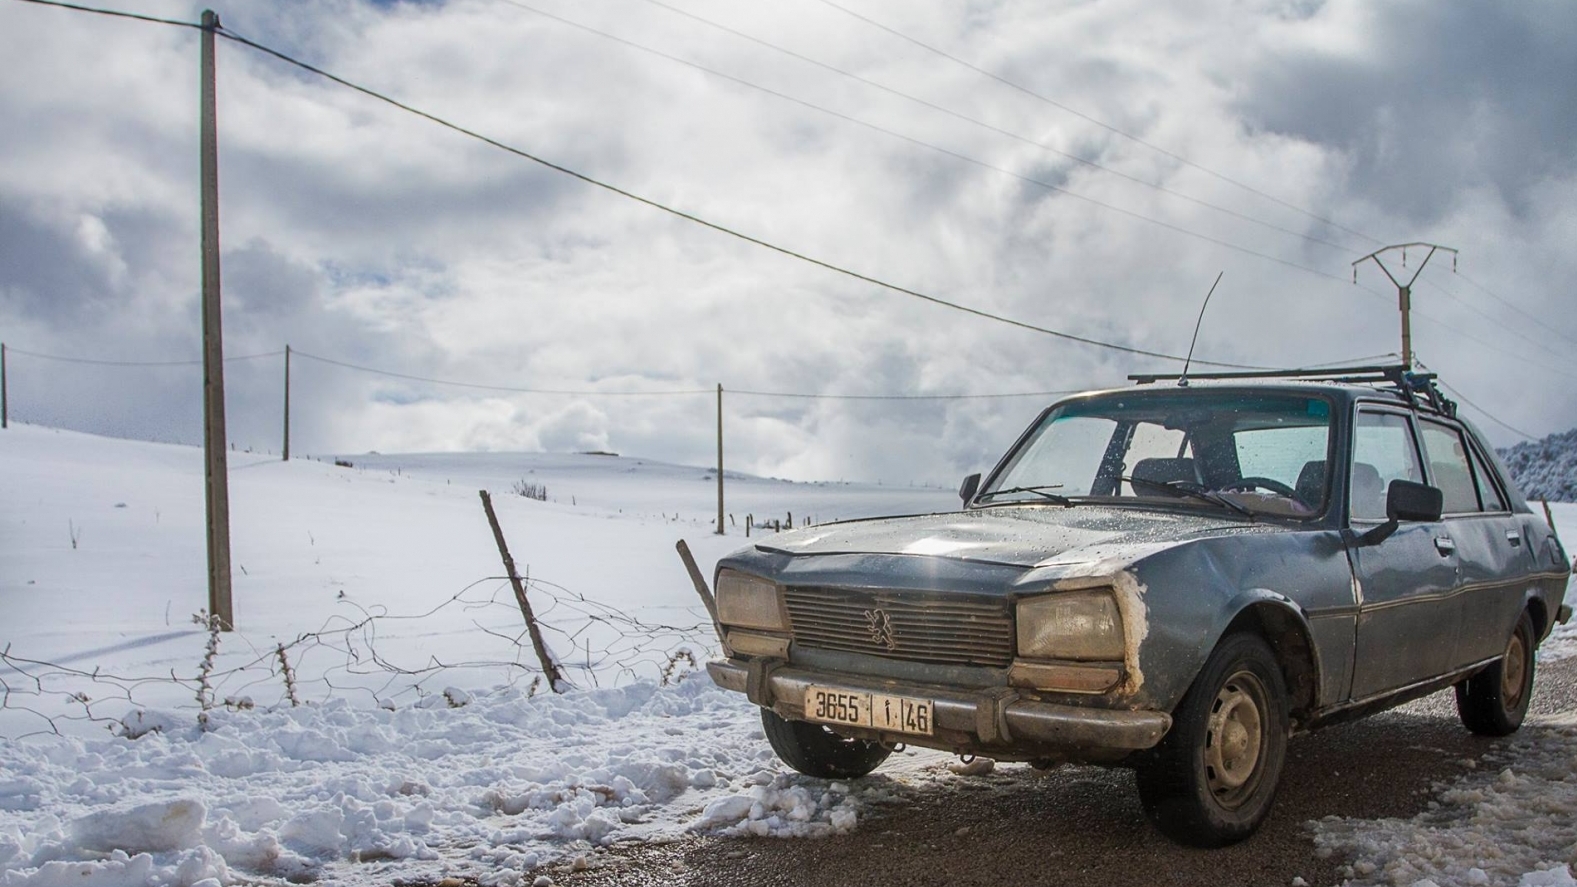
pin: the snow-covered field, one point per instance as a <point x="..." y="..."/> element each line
<point x="422" y="748"/>
<point x="132" y="755"/>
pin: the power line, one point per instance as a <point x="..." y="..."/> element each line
<point x="237" y="38"/>
<point x="230" y="35"/>
<point x="506" y="388"/>
<point x="802" y="396"/>
<point x="1437" y="322"/>
<point x="1485" y="413"/>
<point x="985" y="165"/>
<point x="1178" y="229"/>
<point x="1542" y="323"/>
<point x="1100" y="123"/>
<point x="116" y="13"/>
<point x="132" y="363"/>
<point x="975" y="122"/>
<point x="1495" y="348"/>
<point x="723" y="229"/>
<point x="1184" y="160"/>
<point x="1497" y="321"/>
<point x="593" y="392"/>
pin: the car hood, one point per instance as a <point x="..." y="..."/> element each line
<point x="1019" y="535"/>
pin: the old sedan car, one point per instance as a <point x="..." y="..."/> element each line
<point x="1174" y="578"/>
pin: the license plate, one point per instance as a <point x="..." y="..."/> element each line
<point x="898" y="714"/>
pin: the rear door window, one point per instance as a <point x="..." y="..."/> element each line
<point x="1449" y="467"/>
<point x="1487" y="491"/>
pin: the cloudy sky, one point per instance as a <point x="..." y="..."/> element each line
<point x="1085" y="167"/>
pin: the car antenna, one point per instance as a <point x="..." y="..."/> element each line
<point x="1182" y="381"/>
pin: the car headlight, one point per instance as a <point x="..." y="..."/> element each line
<point x="1070" y="625"/>
<point x="749" y="601"/>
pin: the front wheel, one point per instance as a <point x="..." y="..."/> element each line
<point x="1494" y="701"/>
<point x="816" y="751"/>
<point x="1211" y="781"/>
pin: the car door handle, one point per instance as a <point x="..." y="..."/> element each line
<point x="1444" y="545"/>
<point x="1515" y="538"/>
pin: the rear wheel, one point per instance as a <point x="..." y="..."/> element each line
<point x="1494" y="701"/>
<point x="1213" y="778"/>
<point x="815" y="750"/>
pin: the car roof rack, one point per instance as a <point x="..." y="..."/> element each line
<point x="1408" y="382"/>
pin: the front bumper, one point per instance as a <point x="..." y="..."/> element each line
<point x="996" y="721"/>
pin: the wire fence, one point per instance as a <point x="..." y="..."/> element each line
<point x="367" y="654"/>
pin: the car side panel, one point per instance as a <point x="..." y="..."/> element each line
<point x="1495" y="581"/>
<point x="1410" y="613"/>
<point x="1194" y="592"/>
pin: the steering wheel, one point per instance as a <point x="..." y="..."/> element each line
<point x="1271" y="484"/>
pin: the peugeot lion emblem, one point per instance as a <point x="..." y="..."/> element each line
<point x="880" y="625"/>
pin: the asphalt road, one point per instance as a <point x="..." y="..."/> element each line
<point x="1083" y="826"/>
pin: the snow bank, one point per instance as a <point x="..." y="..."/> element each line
<point x="1514" y="823"/>
<point x="489" y="789"/>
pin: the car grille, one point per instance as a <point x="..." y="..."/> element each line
<point x="951" y="629"/>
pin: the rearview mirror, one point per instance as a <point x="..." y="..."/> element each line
<point x="1405" y="500"/>
<point x="969" y="487"/>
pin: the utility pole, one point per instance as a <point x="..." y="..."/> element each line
<point x="720" y="458"/>
<point x="215" y="462"/>
<point x="287" y="403"/>
<point x="1404" y="291"/>
<point x="5" y="412"/>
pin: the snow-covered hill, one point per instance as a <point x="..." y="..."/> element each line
<point x="1545" y="469"/>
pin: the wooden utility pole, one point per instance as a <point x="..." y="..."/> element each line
<point x="216" y="464"/>
<point x="5" y="412"/>
<point x="720" y="458"/>
<point x="1404" y="291"/>
<point x="287" y="403"/>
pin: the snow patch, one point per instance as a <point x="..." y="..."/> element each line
<point x="1514" y="822"/>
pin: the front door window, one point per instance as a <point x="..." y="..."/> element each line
<point x="1383" y="451"/>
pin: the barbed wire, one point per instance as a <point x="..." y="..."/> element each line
<point x="595" y="643"/>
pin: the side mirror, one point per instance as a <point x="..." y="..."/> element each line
<point x="969" y="487"/>
<point x="1406" y="500"/>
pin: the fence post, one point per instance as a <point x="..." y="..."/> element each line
<point x="699" y="582"/>
<point x="287" y="403"/>
<point x="720" y="530"/>
<point x="556" y="681"/>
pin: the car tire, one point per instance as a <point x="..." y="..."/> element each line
<point x="1212" y="779"/>
<point x="1494" y="701"/>
<point x="816" y="751"/>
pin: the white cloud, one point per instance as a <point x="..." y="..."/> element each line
<point x="359" y="233"/>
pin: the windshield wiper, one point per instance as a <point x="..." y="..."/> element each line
<point x="1183" y="489"/>
<point x="1040" y="490"/>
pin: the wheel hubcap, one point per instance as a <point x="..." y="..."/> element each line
<point x="1513" y="671"/>
<point x="1234" y="741"/>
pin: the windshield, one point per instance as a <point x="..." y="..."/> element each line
<point x="1245" y="452"/>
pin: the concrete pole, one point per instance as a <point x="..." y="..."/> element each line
<point x="720" y="529"/>
<point x="287" y="403"/>
<point x="216" y="464"/>
<point x="1404" y="301"/>
<point x="1404" y="291"/>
